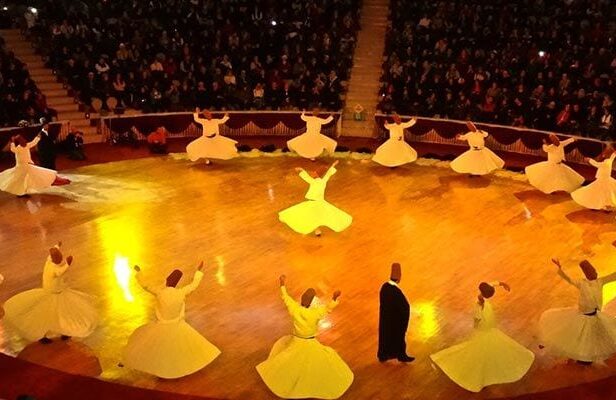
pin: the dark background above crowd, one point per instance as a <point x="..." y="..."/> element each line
<point x="544" y="64"/>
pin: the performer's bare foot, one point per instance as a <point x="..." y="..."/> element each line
<point x="312" y="159"/>
<point x="318" y="233"/>
<point x="45" y="340"/>
<point x="207" y="162"/>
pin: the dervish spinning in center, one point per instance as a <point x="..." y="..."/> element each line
<point x="308" y="216"/>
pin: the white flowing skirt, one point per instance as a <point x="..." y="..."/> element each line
<point x="394" y="152"/>
<point x="309" y="215"/>
<point x="489" y="357"/>
<point x="168" y="350"/>
<point x="477" y="162"/>
<point x="37" y="313"/>
<point x="304" y="368"/>
<point x="23" y="178"/>
<point x="311" y="145"/>
<point x="566" y="332"/>
<point x="218" y="147"/>
<point x="598" y="195"/>
<point x="549" y="177"/>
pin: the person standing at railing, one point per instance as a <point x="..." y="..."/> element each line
<point x="211" y="145"/>
<point x="552" y="175"/>
<point x="46" y="147"/>
<point x="600" y="194"/>
<point x="479" y="160"/>
<point x="312" y="143"/>
<point x="395" y="151"/>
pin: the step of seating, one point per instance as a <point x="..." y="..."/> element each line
<point x="53" y="102"/>
<point x="62" y="108"/>
<point x="71" y="115"/>
<point x="56" y="93"/>
<point x="44" y="86"/>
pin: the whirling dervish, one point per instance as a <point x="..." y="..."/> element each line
<point x="53" y="310"/>
<point x="553" y="175"/>
<point x="169" y="347"/>
<point x="600" y="194"/>
<point x="26" y="177"/>
<point x="478" y="160"/>
<point x="312" y="143"/>
<point x="211" y="145"/>
<point x="489" y="356"/>
<point x="395" y="151"/>
<point x="308" y="216"/>
<point x="298" y="366"/>
<point x="581" y="333"/>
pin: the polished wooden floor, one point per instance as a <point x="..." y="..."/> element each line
<point x="449" y="232"/>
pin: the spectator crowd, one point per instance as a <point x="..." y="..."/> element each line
<point x="171" y="55"/>
<point x="544" y="64"/>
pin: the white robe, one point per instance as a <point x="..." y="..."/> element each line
<point x="395" y="151"/>
<point x="488" y="357"/>
<point x="168" y="347"/>
<point x="315" y="212"/>
<point x="312" y="143"/>
<point x="25" y="177"/>
<point x="553" y="175"/>
<point x="568" y="332"/>
<point x="211" y="144"/>
<point x="600" y="194"/>
<point x="479" y="160"/>
<point x="300" y="367"/>
<point x="53" y="310"/>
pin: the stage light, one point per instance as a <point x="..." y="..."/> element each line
<point x="32" y="10"/>
<point x="541" y="53"/>
<point x="5" y="8"/>
<point x="428" y="321"/>
<point x="273" y="23"/>
<point x="123" y="273"/>
<point x="220" y="271"/>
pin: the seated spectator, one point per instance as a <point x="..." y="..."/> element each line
<point x="504" y="62"/>
<point x="224" y="54"/>
<point x="126" y="138"/>
<point x="157" y="141"/>
<point x="74" y="144"/>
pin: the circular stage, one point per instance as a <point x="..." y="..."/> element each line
<point x="448" y="231"/>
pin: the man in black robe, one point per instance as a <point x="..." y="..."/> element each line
<point x="394" y="313"/>
<point x="46" y="147"/>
